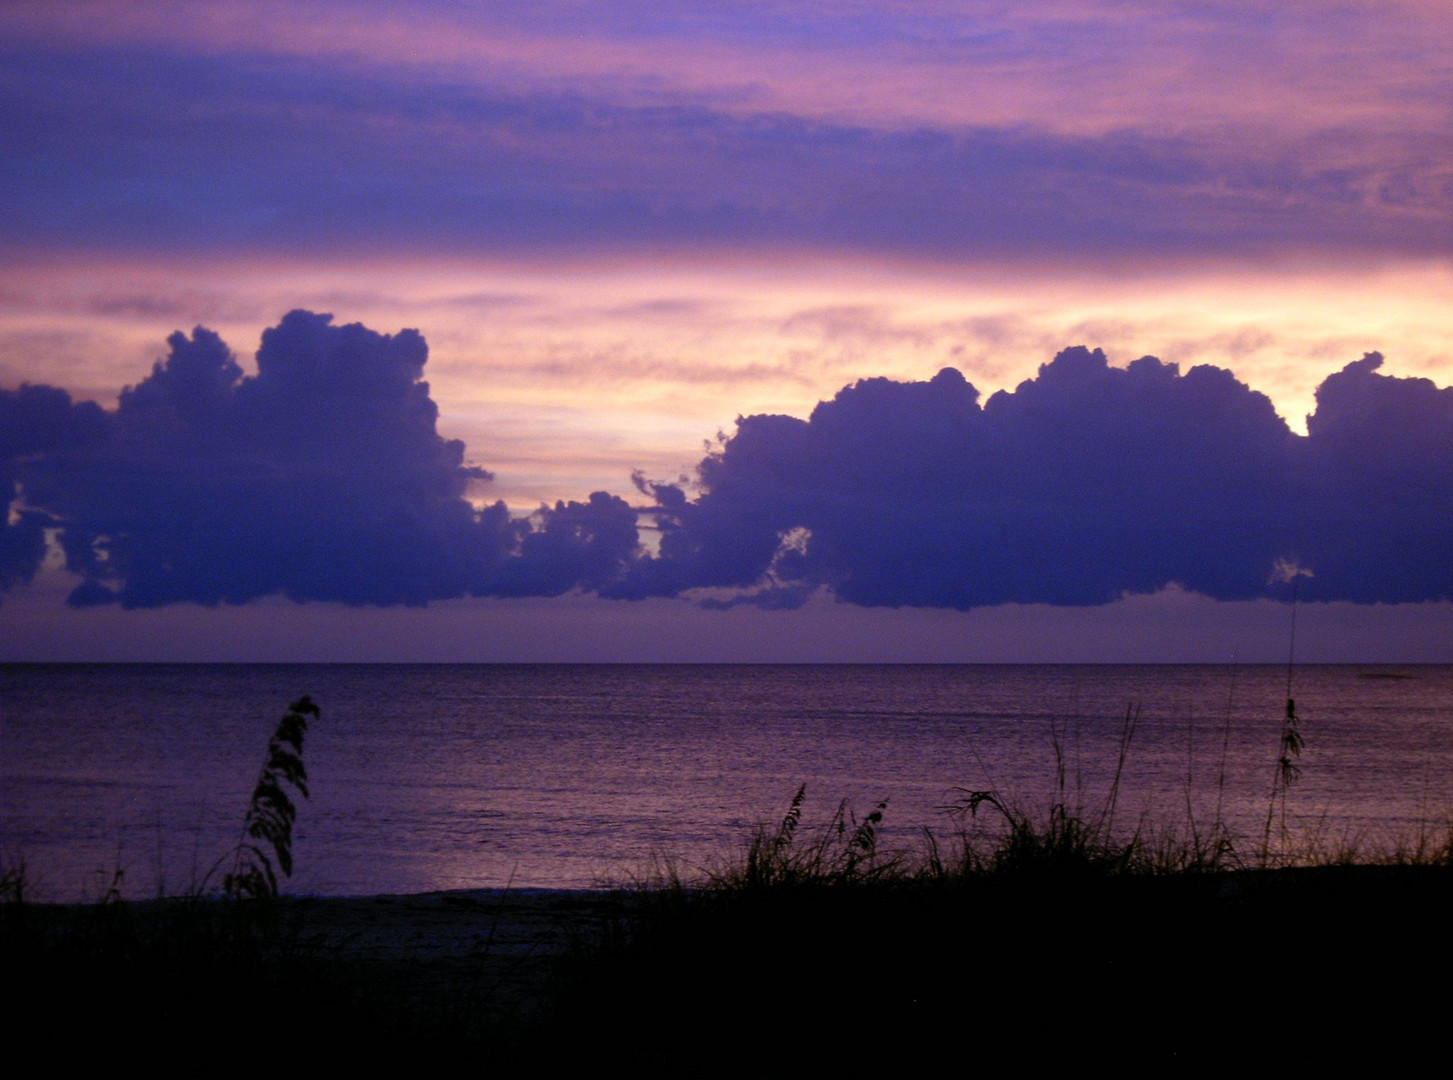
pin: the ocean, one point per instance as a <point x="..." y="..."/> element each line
<point x="431" y="777"/>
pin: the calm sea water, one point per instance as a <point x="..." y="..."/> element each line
<point x="439" y="777"/>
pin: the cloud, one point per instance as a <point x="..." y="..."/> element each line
<point x="35" y="421"/>
<point x="284" y="153"/>
<point x="1376" y="488"/>
<point x="570" y="545"/>
<point x="915" y="65"/>
<point x="1085" y="484"/>
<point x="322" y="477"/>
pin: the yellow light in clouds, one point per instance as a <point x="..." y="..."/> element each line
<point x="563" y="378"/>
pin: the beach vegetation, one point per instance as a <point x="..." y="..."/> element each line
<point x="818" y="943"/>
<point x="266" y="846"/>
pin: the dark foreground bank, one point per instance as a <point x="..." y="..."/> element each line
<point x="1286" y="965"/>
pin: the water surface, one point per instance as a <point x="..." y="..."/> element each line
<point x="460" y="776"/>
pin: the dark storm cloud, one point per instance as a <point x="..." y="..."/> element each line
<point x="35" y="422"/>
<point x="153" y="149"/>
<point x="1084" y="484"/>
<point x="322" y="477"/>
<point x="570" y="545"/>
<point x="1376" y="488"/>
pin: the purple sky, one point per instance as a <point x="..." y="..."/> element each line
<point x="567" y="244"/>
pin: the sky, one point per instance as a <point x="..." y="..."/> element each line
<point x="749" y="331"/>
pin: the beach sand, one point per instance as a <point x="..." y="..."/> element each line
<point x="495" y="945"/>
<point x="1153" y="969"/>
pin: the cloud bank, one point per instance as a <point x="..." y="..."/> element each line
<point x="1086" y="483"/>
<point x="323" y="477"/>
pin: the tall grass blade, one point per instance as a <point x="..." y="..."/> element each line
<point x="267" y="828"/>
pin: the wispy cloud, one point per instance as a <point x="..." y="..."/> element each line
<point x="222" y="127"/>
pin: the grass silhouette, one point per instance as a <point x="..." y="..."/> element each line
<point x="268" y="824"/>
<point x="1050" y="938"/>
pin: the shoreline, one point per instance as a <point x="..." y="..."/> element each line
<point x="511" y="923"/>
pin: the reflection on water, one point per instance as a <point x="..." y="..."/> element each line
<point x="437" y="776"/>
